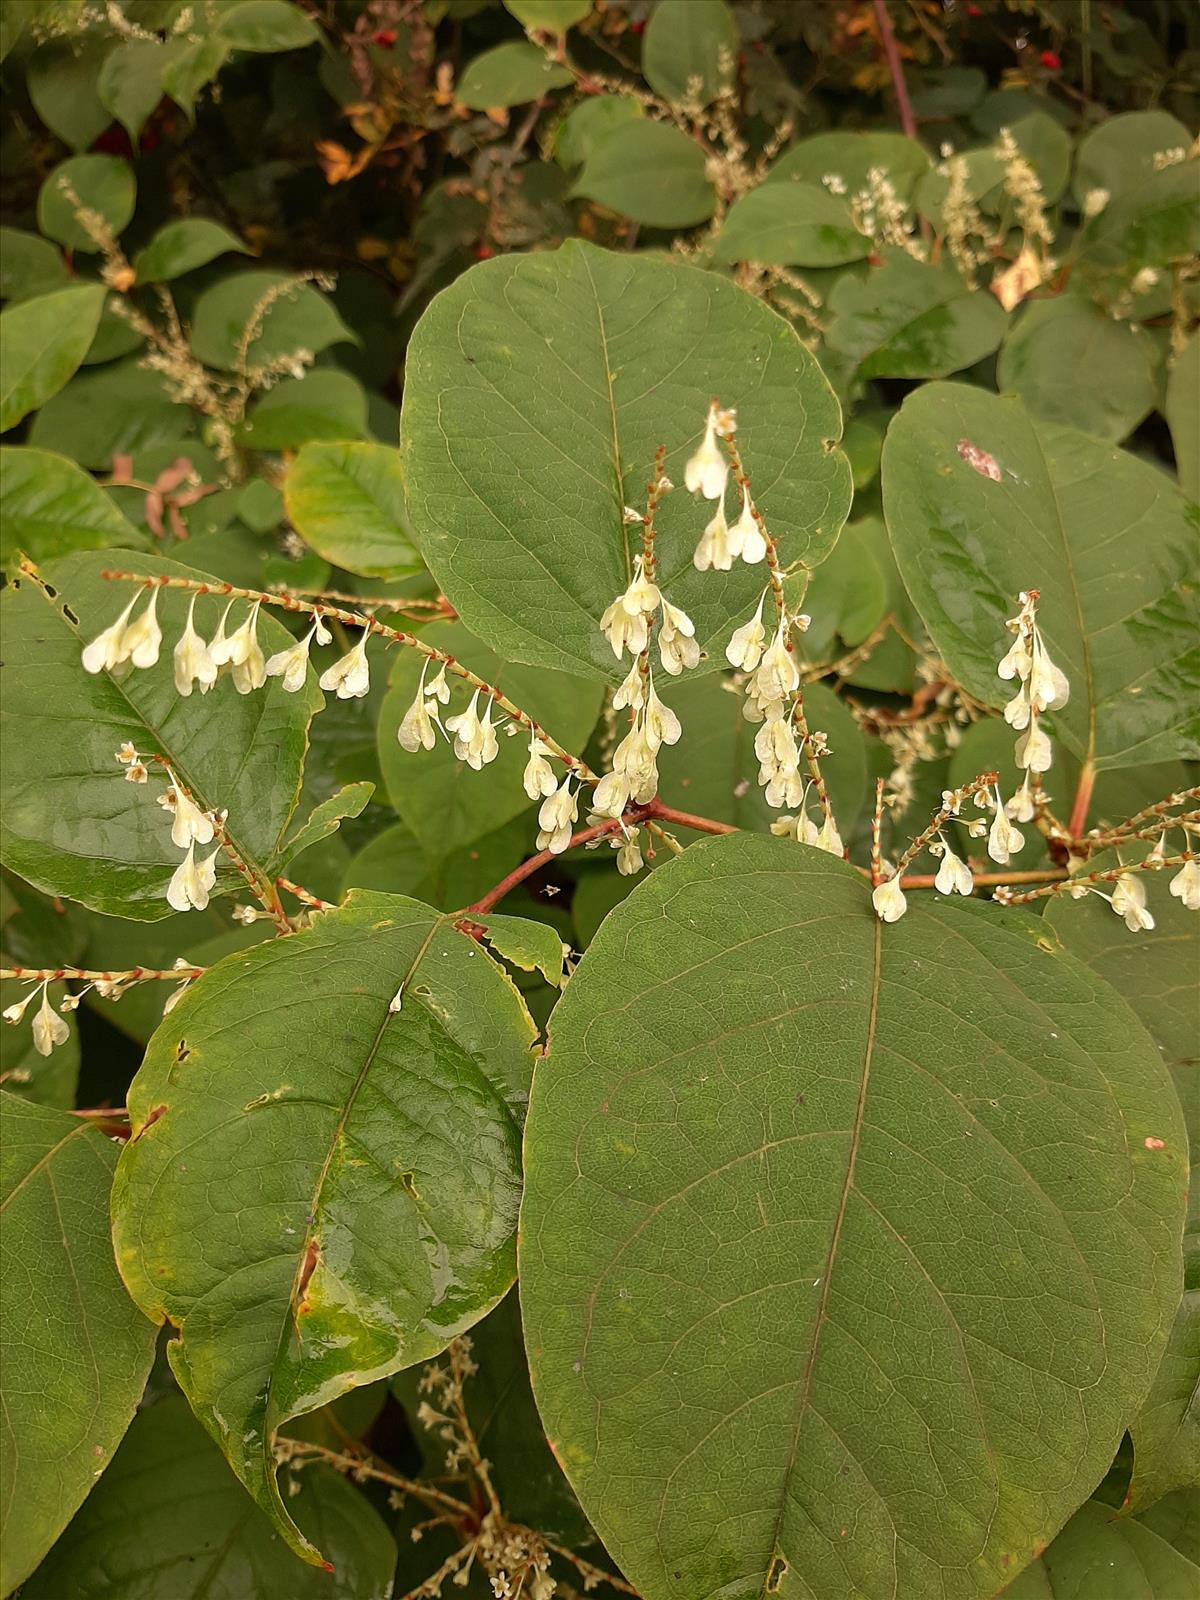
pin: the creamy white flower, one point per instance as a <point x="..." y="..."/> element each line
<point x="350" y="677"/>
<point x="1003" y="839"/>
<point x="953" y="875"/>
<point x="193" y="664"/>
<point x="889" y="900"/>
<point x="189" y="822"/>
<point x="1185" y="885"/>
<point x="677" y="647"/>
<point x="14" y="1013"/>
<point x="828" y="838"/>
<point x="1129" y="902"/>
<point x="634" y="758"/>
<point x="745" y="536"/>
<point x="745" y="649"/>
<point x="241" y="652"/>
<point x="1021" y="807"/>
<point x="1033" y="749"/>
<point x="474" y="737"/>
<point x="416" y="726"/>
<point x="556" y="818"/>
<point x="439" y="689"/>
<point x="629" y="853"/>
<point x="707" y="470"/>
<point x="801" y="827"/>
<point x="715" y="550"/>
<point x="623" y="631"/>
<point x="1049" y="689"/>
<point x="219" y="644"/>
<point x="143" y="636"/>
<point x="1017" y="662"/>
<point x="778" y="675"/>
<point x="1017" y="711"/>
<point x="1094" y="202"/>
<point x="49" y="1028"/>
<point x="107" y="650"/>
<point x="632" y="692"/>
<point x="660" y="723"/>
<point x="641" y="594"/>
<point x="193" y="881"/>
<point x="611" y="795"/>
<point x="291" y="665"/>
<point x="538" y="778"/>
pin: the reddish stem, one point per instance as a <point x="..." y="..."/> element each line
<point x="896" y="67"/>
<point x="1083" y="799"/>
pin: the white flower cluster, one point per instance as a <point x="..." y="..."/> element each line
<point x="197" y="663"/>
<point x="1041" y="687"/>
<point x="707" y="473"/>
<point x="954" y="876"/>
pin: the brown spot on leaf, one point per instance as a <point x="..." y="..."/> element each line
<point x="776" y="1574"/>
<point x="979" y="461"/>
<point x="152" y="1117"/>
<point x="1155" y="1144"/>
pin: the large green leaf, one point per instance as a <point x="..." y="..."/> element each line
<point x="324" y="404"/>
<point x="117" y="410"/>
<point x="49" y="506"/>
<point x="70" y="824"/>
<point x="76" y="1352"/>
<point x="538" y="388"/>
<point x="266" y="26"/>
<point x="1071" y="363"/>
<point x="347" y="502"/>
<point x="61" y="77"/>
<point x="850" y="158"/>
<point x="844" y="1264"/>
<point x="907" y="319"/>
<point x="651" y="172"/>
<point x="169" y="1519"/>
<point x="1100" y="1556"/>
<point x="444" y="802"/>
<point x="1156" y="973"/>
<point x="509" y="75"/>
<point x="982" y="502"/>
<point x="130" y="81"/>
<point x="322" y="1183"/>
<point x="791" y="225"/>
<point x="1118" y="155"/>
<point x="182" y="246"/>
<point x="103" y="184"/>
<point x="42" y="342"/>
<point x="689" y="49"/>
<point x="261" y="317"/>
<point x="31" y="265"/>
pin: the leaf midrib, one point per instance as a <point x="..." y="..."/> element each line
<point x="831" y="1258"/>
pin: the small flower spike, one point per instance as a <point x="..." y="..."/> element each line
<point x="889" y="900"/>
<point x="474" y="737"/>
<point x="1129" y="901"/>
<point x="193" y="663"/>
<point x="349" y="677"/>
<point x="290" y="666"/>
<point x="143" y="637"/>
<point x="49" y="1028"/>
<point x="538" y="779"/>
<point x="193" y="881"/>
<point x="556" y="818"/>
<point x="745" y="535"/>
<point x="707" y="471"/>
<point x="1185" y="885"/>
<point x="107" y="650"/>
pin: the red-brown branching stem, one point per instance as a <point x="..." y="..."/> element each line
<point x="1159" y="809"/>
<point x="599" y="830"/>
<point x="1083" y="799"/>
<point x="948" y="809"/>
<point x="1109" y="875"/>
<point x="304" y="895"/>
<point x="891" y="51"/>
<point x="358" y="619"/>
<point x="95" y="975"/>
<point x="427" y="610"/>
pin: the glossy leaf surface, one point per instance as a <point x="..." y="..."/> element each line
<point x="347" y="502"/>
<point x="42" y="342"/>
<point x="844" y="1264"/>
<point x="321" y="1189"/>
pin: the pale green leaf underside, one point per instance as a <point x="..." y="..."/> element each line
<point x="319" y="1190"/>
<point x="70" y="824"/>
<point x="76" y="1351"/>
<point x="538" y="389"/>
<point x="1106" y="539"/>
<point x="1101" y="1556"/>
<point x="843" y="1263"/>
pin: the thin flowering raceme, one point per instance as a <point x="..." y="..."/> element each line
<point x="1041" y="687"/>
<point x="193" y="881"/>
<point x="707" y="471"/>
<point x="350" y="676"/>
<point x="290" y="666"/>
<point x="192" y="661"/>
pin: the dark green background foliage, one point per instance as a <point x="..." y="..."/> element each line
<point x="689" y="1234"/>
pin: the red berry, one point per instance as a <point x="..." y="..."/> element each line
<point x="1050" y="61"/>
<point x="484" y="252"/>
<point x="385" y="37"/>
